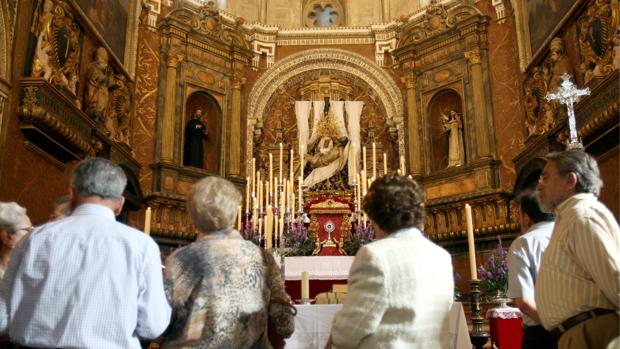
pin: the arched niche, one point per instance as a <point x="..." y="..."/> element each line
<point x="211" y="118"/>
<point x="440" y="112"/>
<point x="381" y="86"/>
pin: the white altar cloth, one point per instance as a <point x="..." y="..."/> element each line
<point x="319" y="267"/>
<point x="313" y="324"/>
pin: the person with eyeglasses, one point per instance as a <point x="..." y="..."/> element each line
<point x="14" y="225"/>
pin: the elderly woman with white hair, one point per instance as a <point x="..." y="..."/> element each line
<point x="14" y="225"/>
<point x="223" y="289"/>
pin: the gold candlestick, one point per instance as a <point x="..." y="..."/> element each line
<point x="478" y="336"/>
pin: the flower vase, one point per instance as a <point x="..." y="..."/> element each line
<point x="500" y="300"/>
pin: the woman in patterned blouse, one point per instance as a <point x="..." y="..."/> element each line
<point x="222" y="288"/>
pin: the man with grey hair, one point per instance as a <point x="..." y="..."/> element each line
<point x="86" y="281"/>
<point x="14" y="225"/>
<point x="578" y="287"/>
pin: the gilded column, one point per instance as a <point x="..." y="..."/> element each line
<point x="481" y="127"/>
<point x="168" y="123"/>
<point x="235" y="127"/>
<point x="415" y="148"/>
<point x="385" y="10"/>
<point x="262" y="11"/>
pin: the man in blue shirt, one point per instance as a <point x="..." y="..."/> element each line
<point x="86" y="281"/>
<point x="523" y="265"/>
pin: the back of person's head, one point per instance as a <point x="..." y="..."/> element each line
<point x="61" y="207"/>
<point x="98" y="177"/>
<point x="582" y="165"/>
<point x="212" y="203"/>
<point x="529" y="205"/>
<point x="10" y="215"/>
<point x="395" y="202"/>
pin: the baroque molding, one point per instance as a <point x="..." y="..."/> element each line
<point x="336" y="59"/>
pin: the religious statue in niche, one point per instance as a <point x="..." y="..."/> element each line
<point x="453" y="126"/>
<point x="99" y="80"/>
<point x="195" y="132"/>
<point x="328" y="157"/>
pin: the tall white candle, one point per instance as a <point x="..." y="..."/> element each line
<point x="270" y="175"/>
<point x="254" y="176"/>
<point x="301" y="160"/>
<point x="470" y="243"/>
<point x="147" y="221"/>
<point x="305" y="285"/>
<point x="290" y="165"/>
<point x="247" y="194"/>
<point x="374" y="160"/>
<point x="384" y="163"/>
<point x="239" y="219"/>
<point x="281" y="161"/>
<point x="301" y="197"/>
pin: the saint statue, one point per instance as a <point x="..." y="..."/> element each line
<point x="99" y="80"/>
<point x="329" y="155"/>
<point x="195" y="132"/>
<point x="42" y="29"/>
<point x="453" y="126"/>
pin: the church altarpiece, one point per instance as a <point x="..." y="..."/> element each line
<point x="437" y="71"/>
<point x="443" y="78"/>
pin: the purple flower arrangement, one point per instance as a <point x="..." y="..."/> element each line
<point x="361" y="234"/>
<point x="298" y="240"/>
<point x="494" y="273"/>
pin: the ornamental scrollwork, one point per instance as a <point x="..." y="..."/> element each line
<point x="57" y="50"/>
<point x="208" y="19"/>
<point x="598" y="36"/>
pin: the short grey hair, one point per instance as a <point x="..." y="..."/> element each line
<point x="582" y="165"/>
<point x="10" y="215"/>
<point x="98" y="177"/>
<point x="212" y="203"/>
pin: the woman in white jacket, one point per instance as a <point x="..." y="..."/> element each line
<point x="400" y="286"/>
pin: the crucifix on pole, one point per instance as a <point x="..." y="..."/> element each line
<point x="568" y="94"/>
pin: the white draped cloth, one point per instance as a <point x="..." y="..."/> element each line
<point x="350" y="151"/>
<point x="302" y="110"/>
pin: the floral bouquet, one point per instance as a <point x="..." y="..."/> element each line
<point x="494" y="273"/>
<point x="360" y="235"/>
<point x="298" y="240"/>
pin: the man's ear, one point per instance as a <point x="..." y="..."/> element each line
<point x="571" y="181"/>
<point x="119" y="205"/>
<point x="73" y="198"/>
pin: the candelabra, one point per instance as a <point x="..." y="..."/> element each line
<point x="478" y="336"/>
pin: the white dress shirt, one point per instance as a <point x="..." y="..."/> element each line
<point x="580" y="268"/>
<point x="524" y="262"/>
<point x="401" y="289"/>
<point x="86" y="281"/>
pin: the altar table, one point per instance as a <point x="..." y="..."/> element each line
<point x="313" y="325"/>
<point x="324" y="271"/>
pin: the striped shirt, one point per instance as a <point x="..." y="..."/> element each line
<point x="86" y="281"/>
<point x="580" y="268"/>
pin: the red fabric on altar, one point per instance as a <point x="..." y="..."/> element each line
<point x="506" y="327"/>
<point x="293" y="287"/>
